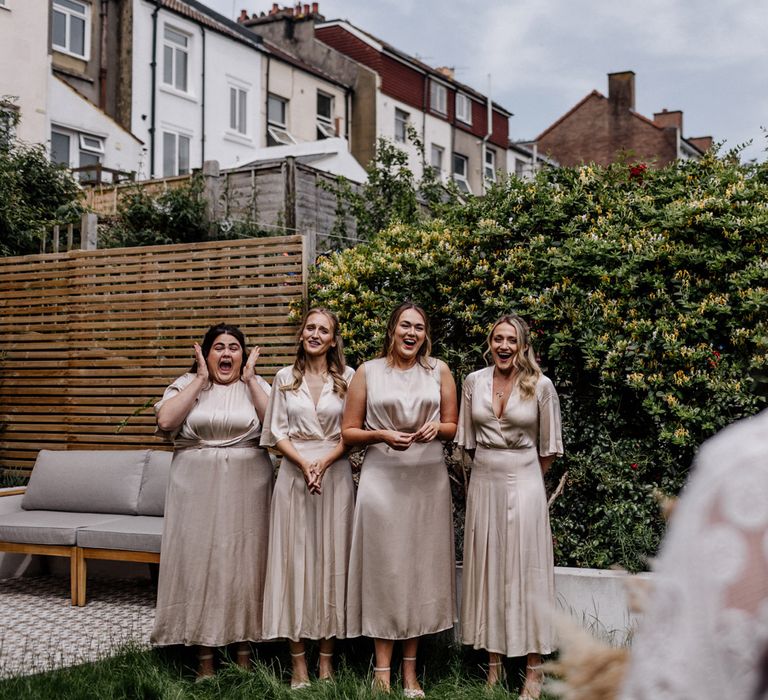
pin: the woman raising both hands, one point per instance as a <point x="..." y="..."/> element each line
<point x="210" y="591"/>
<point x="401" y="572"/>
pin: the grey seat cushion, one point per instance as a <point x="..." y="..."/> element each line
<point x="49" y="527"/>
<point x="154" y="483"/>
<point x="86" y="481"/>
<point x="135" y="533"/>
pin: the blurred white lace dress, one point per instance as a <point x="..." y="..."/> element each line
<point x="705" y="633"/>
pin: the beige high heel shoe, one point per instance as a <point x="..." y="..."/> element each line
<point x="532" y="690"/>
<point x="501" y="676"/>
<point x="376" y="685"/>
<point x="299" y="685"/>
<point x="412" y="692"/>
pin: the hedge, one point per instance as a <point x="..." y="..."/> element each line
<point x="647" y="293"/>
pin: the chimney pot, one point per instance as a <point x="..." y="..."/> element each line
<point x="306" y="9"/>
<point x="315" y="8"/>
<point x="667" y="119"/>
<point x="621" y="90"/>
<point x="243" y="16"/>
<point x="275" y="9"/>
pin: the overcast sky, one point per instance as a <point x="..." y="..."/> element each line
<point x="708" y="58"/>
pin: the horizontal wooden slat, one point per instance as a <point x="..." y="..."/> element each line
<point x="94" y="337"/>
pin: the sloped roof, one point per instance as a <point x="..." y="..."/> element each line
<point x="389" y="48"/>
<point x="600" y="96"/>
<point x="202" y="14"/>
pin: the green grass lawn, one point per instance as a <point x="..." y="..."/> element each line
<point x="446" y="672"/>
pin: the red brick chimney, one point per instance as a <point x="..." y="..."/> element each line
<point x="621" y="90"/>
<point x="666" y="119"/>
<point x="703" y="143"/>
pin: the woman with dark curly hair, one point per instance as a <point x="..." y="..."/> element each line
<point x="313" y="501"/>
<point x="210" y="591"/>
<point x="401" y="574"/>
<point x="510" y="423"/>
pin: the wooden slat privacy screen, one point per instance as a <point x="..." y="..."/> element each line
<point x="89" y="338"/>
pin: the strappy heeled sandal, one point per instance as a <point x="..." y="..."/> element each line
<point x="243" y="656"/>
<point x="376" y="685"/>
<point x="501" y="677"/>
<point x="535" y="685"/>
<point x="299" y="685"/>
<point x="327" y="655"/>
<point x="412" y="692"/>
<point x="209" y="671"/>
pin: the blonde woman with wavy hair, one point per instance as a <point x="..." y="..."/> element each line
<point x="313" y="500"/>
<point x="509" y="422"/>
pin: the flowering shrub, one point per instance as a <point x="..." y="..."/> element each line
<point x="647" y="294"/>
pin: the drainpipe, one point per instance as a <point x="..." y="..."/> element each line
<point x="103" y="56"/>
<point x="424" y="107"/>
<point x="347" y="98"/>
<point x="153" y="66"/>
<point x="266" y="105"/>
<point x="488" y="132"/>
<point x="202" y="100"/>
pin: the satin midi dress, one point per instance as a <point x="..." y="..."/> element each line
<point x="215" y="532"/>
<point x="310" y="534"/>
<point x="508" y="578"/>
<point x="402" y="567"/>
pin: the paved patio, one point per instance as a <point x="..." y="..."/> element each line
<point x="40" y="630"/>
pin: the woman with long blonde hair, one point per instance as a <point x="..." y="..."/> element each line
<point x="313" y="501"/>
<point x="509" y="423"/>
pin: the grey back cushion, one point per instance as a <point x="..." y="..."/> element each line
<point x="154" y="483"/>
<point x="86" y="481"/>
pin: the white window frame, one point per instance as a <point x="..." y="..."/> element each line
<point x="176" y="48"/>
<point x="71" y="14"/>
<point x="461" y="178"/>
<point x="80" y="144"/>
<point x="489" y="169"/>
<point x="238" y="109"/>
<point x="438" y="97"/>
<point x="278" y="130"/>
<point x="177" y="140"/>
<point x="436" y="153"/>
<point x="463" y="108"/>
<point x="402" y="119"/>
<point x="8" y="114"/>
<point x="325" y="128"/>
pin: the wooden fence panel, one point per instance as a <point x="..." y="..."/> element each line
<point x="91" y="338"/>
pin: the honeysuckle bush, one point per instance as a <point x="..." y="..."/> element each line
<point x="647" y="294"/>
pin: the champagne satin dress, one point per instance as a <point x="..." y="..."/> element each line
<point x="214" y="547"/>
<point x="508" y="580"/>
<point x="402" y="568"/>
<point x="310" y="534"/>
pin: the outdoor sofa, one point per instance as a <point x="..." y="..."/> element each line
<point x="89" y="504"/>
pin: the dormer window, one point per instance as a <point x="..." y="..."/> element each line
<point x="71" y="28"/>
<point x="463" y="108"/>
<point x="438" y="97"/>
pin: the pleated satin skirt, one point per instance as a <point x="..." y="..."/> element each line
<point x="402" y="567"/>
<point x="309" y="541"/>
<point x="508" y="578"/>
<point x="214" y="547"/>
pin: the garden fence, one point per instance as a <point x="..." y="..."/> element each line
<point x="91" y="338"/>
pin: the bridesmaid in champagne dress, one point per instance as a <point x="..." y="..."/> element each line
<point x="214" y="547"/>
<point x="510" y="420"/>
<point x="312" y="505"/>
<point x="402" y="570"/>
